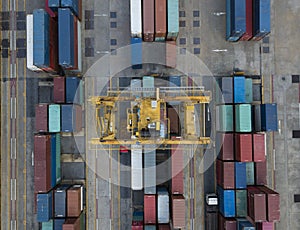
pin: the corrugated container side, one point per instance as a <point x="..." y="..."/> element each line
<point x="136" y="53"/>
<point x="148" y="20"/>
<point x="226" y="223"/>
<point x="225" y="174"/>
<point x="136" y="168"/>
<point x="67" y="118"/>
<point x="174" y="121"/>
<point x="79" y="61"/>
<point x="257" y="117"/>
<point x="75" y="44"/>
<point x="261" y="173"/>
<point x="225" y="118"/>
<point x="171" y="54"/>
<point x="243" y="147"/>
<point x="238" y="17"/>
<point x="173" y="19"/>
<point x="239" y="89"/>
<point x="48" y="225"/>
<point x="226" y="88"/>
<point x="178" y="211"/>
<point x="269" y="120"/>
<point x="60" y="201"/>
<point x="160" y="20"/>
<point x="265" y="226"/>
<point x="211" y="220"/>
<point x="74" y="5"/>
<point x="149" y="209"/>
<point x="229" y="17"/>
<point x="58" y="224"/>
<point x="226" y="202"/>
<point x="163" y="213"/>
<point x="41" y="118"/>
<point x="148" y="86"/>
<point x="74" y="201"/>
<point x="44" y="206"/>
<point x="240" y="175"/>
<point x="150" y="227"/>
<point x="243" y="118"/>
<point x="249" y="18"/>
<point x="136" y="18"/>
<point x="225" y="143"/>
<point x="53" y="44"/>
<point x="59" y="89"/>
<point x="53" y="160"/>
<point x="72" y="96"/>
<point x="177" y="170"/>
<point x="241" y="203"/>
<point x="150" y="172"/>
<point x="250" y="173"/>
<point x="259" y="153"/>
<point x="261" y="18"/>
<point x="248" y="89"/>
<point x="58" y="162"/>
<point x="54" y="118"/>
<point x="273" y="204"/>
<point x="257" y="204"/>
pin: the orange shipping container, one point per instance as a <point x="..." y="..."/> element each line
<point x="74" y="201"/>
<point x="178" y="211"/>
<point x="160" y="20"/>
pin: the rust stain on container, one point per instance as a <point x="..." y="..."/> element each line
<point x="243" y="147"/>
<point x="178" y="211"/>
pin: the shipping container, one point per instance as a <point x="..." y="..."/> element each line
<point x="177" y="169"/>
<point x="150" y="172"/>
<point x="42" y="163"/>
<point x="148" y="86"/>
<point x="136" y="87"/>
<point x="136" y="52"/>
<point x="248" y="89"/>
<point x="259" y="152"/>
<point x="71" y="118"/>
<point x="160" y="20"/>
<point x="178" y="211"/>
<point x="174" y="121"/>
<point x="211" y="221"/>
<point x="74" y="200"/>
<point x="226" y="223"/>
<point x="241" y="203"/>
<point x="225" y="118"/>
<point x="244" y="224"/>
<point x="136" y="18"/>
<point x="224" y="90"/>
<point x="58" y="223"/>
<point x="257" y="117"/>
<point x="60" y="201"/>
<point x="148" y="20"/>
<point x="261" y="173"/>
<point x="249" y="21"/>
<point x="75" y="47"/>
<point x="226" y="202"/>
<point x="79" y="61"/>
<point x="273" y="204"/>
<point x="72" y="224"/>
<point x="59" y="89"/>
<point x="269" y="120"/>
<point x="66" y="37"/>
<point x="250" y="173"/>
<point x="150" y="227"/>
<point x="225" y="146"/>
<point x="74" y="5"/>
<point x="239" y="95"/>
<point x="72" y="90"/>
<point x="149" y="209"/>
<point x="41" y="117"/>
<point x="48" y="225"/>
<point x="137" y="227"/>
<point x="174" y="81"/>
<point x="137" y="218"/>
<point x="171" y="54"/>
<point x="55" y="159"/>
<point x="256" y="204"/>
<point x="225" y="174"/>
<point x="173" y="19"/>
<point x="229" y="14"/>
<point x="54" y="118"/>
<point x="44" y="206"/>
<point x="238" y="18"/>
<point x="29" y="44"/>
<point x="163" y="213"/>
<point x="53" y="45"/>
<point x="243" y="147"/>
<point x="78" y="117"/>
<point x="164" y="227"/>
<point x="136" y="167"/>
<point x="240" y="175"/>
<point x="243" y="118"/>
<point x="261" y="18"/>
<point x="265" y="226"/>
<point x="54" y="4"/>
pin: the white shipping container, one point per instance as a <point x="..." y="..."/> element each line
<point x="136" y="18"/>
<point x="29" y="40"/>
<point x="163" y="213"/>
<point x="79" y="46"/>
<point x="136" y="167"/>
<point x="150" y="170"/>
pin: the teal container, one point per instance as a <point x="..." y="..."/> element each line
<point x="82" y="221"/>
<point x="243" y="118"/>
<point x="225" y="118"/>
<point x="248" y="90"/>
<point x="54" y="118"/>
<point x="250" y="173"/>
<point x="47" y="225"/>
<point x="173" y="19"/>
<point x="241" y="203"/>
<point x="149" y="227"/>
<point x="58" y="160"/>
<point x="148" y="86"/>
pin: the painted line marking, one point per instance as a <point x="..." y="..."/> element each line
<point x="32" y="158"/>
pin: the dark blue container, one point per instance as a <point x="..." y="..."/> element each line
<point x="68" y="118"/>
<point x="58" y="224"/>
<point x="226" y="202"/>
<point x="41" y="48"/>
<point x="238" y="18"/>
<point x="269" y="117"/>
<point x="72" y="4"/>
<point x="72" y="84"/>
<point x="261" y="18"/>
<point x="174" y="81"/>
<point x="66" y="37"/>
<point x="239" y="95"/>
<point x="244" y="224"/>
<point x="240" y="175"/>
<point x="53" y="160"/>
<point x="225" y="90"/>
<point x="229" y="36"/>
<point x="44" y="206"/>
<point x="60" y="201"/>
<point x="54" y="4"/>
<point x="136" y="53"/>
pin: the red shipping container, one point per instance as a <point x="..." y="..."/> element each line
<point x="71" y="224"/>
<point x="259" y="147"/>
<point x="243" y="147"/>
<point x="171" y="54"/>
<point x="42" y="163"/>
<point x="226" y="223"/>
<point x="225" y="174"/>
<point x="160" y="19"/>
<point x="178" y="211"/>
<point x="149" y="209"/>
<point x="59" y="89"/>
<point x="261" y="173"/>
<point x="177" y="170"/>
<point x="137" y="227"/>
<point x="226" y="146"/>
<point x="265" y="226"/>
<point x="53" y="45"/>
<point x="164" y="227"/>
<point x="248" y="35"/>
<point x="273" y="204"/>
<point x="78" y="110"/>
<point x="41" y="117"/>
<point x="256" y="204"/>
<point x="74" y="201"/>
<point x="148" y="20"/>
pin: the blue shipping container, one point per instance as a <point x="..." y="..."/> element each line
<point x="44" y="206"/>
<point x="54" y="4"/>
<point x="66" y="37"/>
<point x="269" y="117"/>
<point x="73" y="5"/>
<point x="238" y="18"/>
<point x="261" y="18"/>
<point x="72" y="84"/>
<point x="173" y="19"/>
<point x="175" y="81"/>
<point x="226" y="202"/>
<point x="136" y="53"/>
<point x="41" y="48"/>
<point x="240" y="175"/>
<point x="58" y="224"/>
<point x="68" y="118"/>
<point x="239" y="95"/>
<point x="60" y="201"/>
<point x="229" y="36"/>
<point x="53" y="160"/>
<point x="250" y="173"/>
<point x="244" y="224"/>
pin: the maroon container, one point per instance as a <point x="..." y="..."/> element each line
<point x="256" y="204"/>
<point x="148" y="20"/>
<point x="248" y="35"/>
<point x="74" y="201"/>
<point x="160" y="19"/>
<point x="265" y="226"/>
<point x="225" y="174"/>
<point x="174" y="121"/>
<point x="243" y="147"/>
<point x="226" y="223"/>
<point x="164" y="227"/>
<point x="53" y="45"/>
<point x="177" y="170"/>
<point x="71" y="224"/>
<point x="171" y="54"/>
<point x="59" y="89"/>
<point x="261" y="173"/>
<point x="227" y="147"/>
<point x="149" y="209"/>
<point x="178" y="211"/>
<point x="137" y="227"/>
<point x="41" y="117"/>
<point x="259" y="147"/>
<point x="273" y="204"/>
<point x="42" y="163"/>
<point x="78" y="110"/>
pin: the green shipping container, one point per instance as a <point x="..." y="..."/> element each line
<point x="248" y="90"/>
<point x="226" y="118"/>
<point x="58" y="160"/>
<point x="241" y="203"/>
<point x="148" y="86"/>
<point x="243" y="118"/>
<point x="47" y="225"/>
<point x="173" y="19"/>
<point x="82" y="221"/>
<point x="54" y="118"/>
<point x="250" y="173"/>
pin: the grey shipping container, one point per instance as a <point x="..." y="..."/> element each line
<point x="149" y="171"/>
<point x="60" y="201"/>
<point x="163" y="213"/>
<point x="211" y="221"/>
